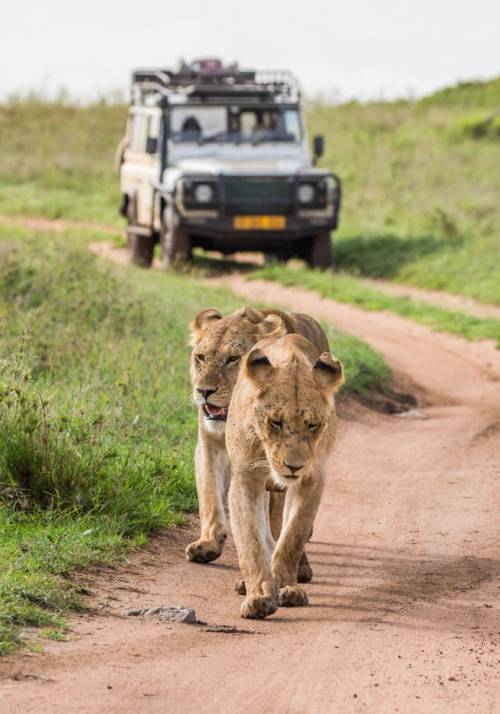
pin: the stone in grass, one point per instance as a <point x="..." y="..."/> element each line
<point x="177" y="613"/>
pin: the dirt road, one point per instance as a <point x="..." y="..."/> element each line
<point x="405" y="601"/>
<point x="461" y="303"/>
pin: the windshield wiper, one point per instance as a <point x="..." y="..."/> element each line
<point x="270" y="137"/>
<point x="219" y="135"/>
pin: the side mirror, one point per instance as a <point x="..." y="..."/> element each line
<point x="318" y="145"/>
<point x="151" y="145"/>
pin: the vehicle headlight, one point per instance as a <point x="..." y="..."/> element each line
<point x="203" y="193"/>
<point x="306" y="193"/>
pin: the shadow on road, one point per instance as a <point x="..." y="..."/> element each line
<point x="212" y="264"/>
<point x="378" y="585"/>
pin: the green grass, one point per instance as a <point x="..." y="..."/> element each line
<point x="421" y="189"/>
<point x="57" y="160"/>
<point x="96" y="418"/>
<point x="346" y="289"/>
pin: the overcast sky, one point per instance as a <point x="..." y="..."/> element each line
<point x="363" y="48"/>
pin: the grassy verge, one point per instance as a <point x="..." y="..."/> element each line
<point x="347" y="289"/>
<point x="97" y="428"/>
<point x="95" y="415"/>
<point x="420" y="189"/>
<point x="365" y="370"/>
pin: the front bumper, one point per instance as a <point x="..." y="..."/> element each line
<point x="216" y="226"/>
<point x="220" y="226"/>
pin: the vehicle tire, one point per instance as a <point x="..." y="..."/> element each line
<point x="141" y="249"/>
<point x="130" y="206"/>
<point x="176" y="248"/>
<point x="319" y="254"/>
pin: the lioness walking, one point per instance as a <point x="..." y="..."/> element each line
<point x="281" y="425"/>
<point x="219" y="345"/>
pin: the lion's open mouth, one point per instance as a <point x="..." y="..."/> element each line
<point x="213" y="412"/>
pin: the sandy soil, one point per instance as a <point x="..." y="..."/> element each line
<point x="404" y="611"/>
<point x="57" y="225"/>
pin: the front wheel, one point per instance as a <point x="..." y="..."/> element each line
<point x="176" y="246"/>
<point x="141" y="249"/>
<point x="319" y="253"/>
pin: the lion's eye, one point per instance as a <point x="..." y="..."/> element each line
<point x="200" y="357"/>
<point x="232" y="359"/>
<point x="275" y="424"/>
<point x="313" y="427"/>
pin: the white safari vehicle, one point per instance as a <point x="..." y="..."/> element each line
<point x="218" y="157"/>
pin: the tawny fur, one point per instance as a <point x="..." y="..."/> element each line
<point x="282" y="415"/>
<point x="215" y="339"/>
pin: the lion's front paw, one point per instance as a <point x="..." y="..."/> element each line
<point x="292" y="596"/>
<point x="274" y="486"/>
<point x="204" y="551"/>
<point x="257" y="608"/>
<point x="240" y="587"/>
<point x="304" y="573"/>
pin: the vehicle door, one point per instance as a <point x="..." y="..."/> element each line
<point x="140" y="170"/>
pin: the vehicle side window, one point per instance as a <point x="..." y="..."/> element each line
<point x="152" y="133"/>
<point x="292" y="124"/>
<point x="138" y="133"/>
<point x="130" y="128"/>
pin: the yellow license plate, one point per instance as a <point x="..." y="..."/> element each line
<point x="259" y="223"/>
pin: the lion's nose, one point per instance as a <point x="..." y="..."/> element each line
<point x="293" y="468"/>
<point x="206" y="392"/>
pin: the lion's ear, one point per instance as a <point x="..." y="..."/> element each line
<point x="250" y="314"/>
<point x="201" y="322"/>
<point x="328" y="372"/>
<point x="272" y="326"/>
<point x="258" y="366"/>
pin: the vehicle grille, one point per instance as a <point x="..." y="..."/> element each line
<point x="248" y="195"/>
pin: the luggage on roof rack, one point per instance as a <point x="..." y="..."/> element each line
<point x="210" y="79"/>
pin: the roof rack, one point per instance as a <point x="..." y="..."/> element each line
<point x="209" y="80"/>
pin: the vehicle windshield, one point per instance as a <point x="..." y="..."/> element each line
<point x="235" y="124"/>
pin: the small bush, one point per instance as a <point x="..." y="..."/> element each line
<point x="476" y="128"/>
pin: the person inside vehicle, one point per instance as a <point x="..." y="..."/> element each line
<point x="191" y="128"/>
